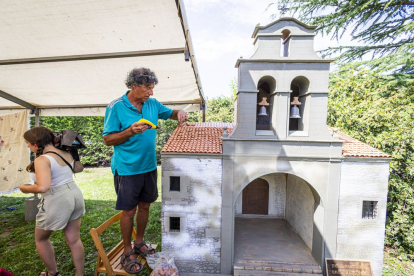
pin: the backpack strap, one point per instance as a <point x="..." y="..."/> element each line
<point x="67" y="163"/>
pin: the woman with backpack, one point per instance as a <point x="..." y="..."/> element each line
<point x="62" y="204"/>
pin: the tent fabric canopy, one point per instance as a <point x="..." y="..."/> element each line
<point x="71" y="58"/>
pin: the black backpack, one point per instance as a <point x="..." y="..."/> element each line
<point x="70" y="141"/>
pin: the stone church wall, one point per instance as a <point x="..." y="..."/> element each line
<point x="358" y="238"/>
<point x="300" y="205"/>
<point x="197" y="247"/>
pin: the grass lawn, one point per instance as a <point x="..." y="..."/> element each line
<point x="395" y="265"/>
<point x="17" y="248"/>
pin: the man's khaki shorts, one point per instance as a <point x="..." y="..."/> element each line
<point x="58" y="206"/>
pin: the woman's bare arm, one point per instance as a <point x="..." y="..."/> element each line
<point x="43" y="177"/>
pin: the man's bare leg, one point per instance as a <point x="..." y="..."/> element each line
<point x="127" y="224"/>
<point x="142" y="219"/>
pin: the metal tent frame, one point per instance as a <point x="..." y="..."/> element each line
<point x="17" y="99"/>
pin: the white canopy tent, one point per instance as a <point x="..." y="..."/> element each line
<point x="70" y="58"/>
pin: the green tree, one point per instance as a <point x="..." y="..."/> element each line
<point x="379" y="110"/>
<point x="91" y="128"/>
<point x="384" y="27"/>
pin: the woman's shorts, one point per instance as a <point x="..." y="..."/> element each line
<point x="58" y="206"/>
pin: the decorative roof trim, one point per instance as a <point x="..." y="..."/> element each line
<point x="258" y="27"/>
<point x="367" y="159"/>
<point x="247" y="91"/>
<point x="206" y="139"/>
<point x="280" y="35"/>
<point x="287" y="60"/>
<point x="191" y="155"/>
<point x="293" y="141"/>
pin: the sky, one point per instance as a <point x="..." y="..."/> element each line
<point x="221" y="33"/>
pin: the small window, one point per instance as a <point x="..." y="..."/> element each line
<point x="369" y="209"/>
<point x="174" y="224"/>
<point x="174" y="183"/>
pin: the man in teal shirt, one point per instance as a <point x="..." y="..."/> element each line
<point x="134" y="162"/>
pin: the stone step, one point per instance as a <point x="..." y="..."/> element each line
<point x="240" y="272"/>
<point x="272" y="262"/>
<point x="271" y="266"/>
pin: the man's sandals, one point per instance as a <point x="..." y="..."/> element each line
<point x="147" y="252"/>
<point x="47" y="274"/>
<point x="128" y="264"/>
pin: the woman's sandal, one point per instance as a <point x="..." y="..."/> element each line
<point x="47" y="274"/>
<point x="147" y="252"/>
<point x="130" y="263"/>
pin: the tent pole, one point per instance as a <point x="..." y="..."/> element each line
<point x="36" y="196"/>
<point x="32" y="202"/>
<point x="36" y="120"/>
<point x="204" y="113"/>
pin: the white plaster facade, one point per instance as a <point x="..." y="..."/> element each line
<point x="196" y="247"/>
<point x="362" y="239"/>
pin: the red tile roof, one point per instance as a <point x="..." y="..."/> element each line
<point x="352" y="147"/>
<point x="206" y="138"/>
<point x="197" y="138"/>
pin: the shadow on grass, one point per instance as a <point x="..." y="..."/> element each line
<point x="17" y="247"/>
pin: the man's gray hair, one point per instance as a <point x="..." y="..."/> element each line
<point x="140" y="76"/>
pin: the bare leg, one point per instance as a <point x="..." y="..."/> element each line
<point x="142" y="219"/>
<point x="72" y="235"/>
<point x="127" y="223"/>
<point x="45" y="249"/>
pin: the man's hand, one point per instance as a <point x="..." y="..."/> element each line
<point x="117" y="138"/>
<point x="137" y="128"/>
<point x="181" y="116"/>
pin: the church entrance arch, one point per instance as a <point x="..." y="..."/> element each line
<point x="278" y="218"/>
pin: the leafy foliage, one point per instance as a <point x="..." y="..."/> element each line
<point x="395" y="265"/>
<point x="379" y="110"/>
<point x="385" y="28"/>
<point x="91" y="128"/>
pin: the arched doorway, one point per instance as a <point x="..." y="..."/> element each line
<point x="256" y="198"/>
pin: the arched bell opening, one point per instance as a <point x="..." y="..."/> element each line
<point x="284" y="43"/>
<point x="266" y="87"/>
<point x="297" y="117"/>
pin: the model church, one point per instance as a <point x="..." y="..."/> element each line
<point x="278" y="190"/>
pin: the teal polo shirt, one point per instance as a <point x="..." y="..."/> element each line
<point x="137" y="154"/>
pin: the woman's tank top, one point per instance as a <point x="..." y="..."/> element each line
<point x="60" y="174"/>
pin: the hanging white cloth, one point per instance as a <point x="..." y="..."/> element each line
<point x="14" y="154"/>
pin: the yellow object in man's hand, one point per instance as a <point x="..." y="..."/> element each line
<point x="148" y="123"/>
